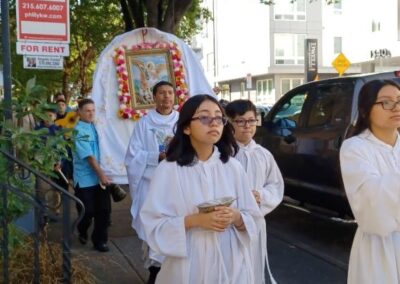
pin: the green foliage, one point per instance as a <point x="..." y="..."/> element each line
<point x="34" y="147"/>
<point x="190" y="24"/>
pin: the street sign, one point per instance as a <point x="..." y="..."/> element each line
<point x="341" y="63"/>
<point x="311" y="59"/>
<point x="43" y="20"/>
<point x="42" y="48"/>
<point x="43" y="62"/>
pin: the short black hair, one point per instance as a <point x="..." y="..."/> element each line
<point x="366" y="100"/>
<point x="159" y="84"/>
<point x="239" y="107"/>
<point x="84" y="102"/>
<point x="180" y="148"/>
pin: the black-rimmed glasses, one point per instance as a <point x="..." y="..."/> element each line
<point x="207" y="120"/>
<point x="243" y="122"/>
<point x="388" y="105"/>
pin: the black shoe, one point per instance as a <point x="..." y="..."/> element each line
<point x="101" y="247"/>
<point x="82" y="239"/>
<point x="153" y="274"/>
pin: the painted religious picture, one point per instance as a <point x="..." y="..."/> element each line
<point x="145" y="69"/>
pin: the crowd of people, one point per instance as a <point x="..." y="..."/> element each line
<point x="176" y="161"/>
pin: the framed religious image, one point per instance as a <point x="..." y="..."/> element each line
<point x="146" y="67"/>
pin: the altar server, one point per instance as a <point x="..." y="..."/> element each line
<point x="370" y="164"/>
<point x="146" y="149"/>
<point x="209" y="247"/>
<point x="264" y="176"/>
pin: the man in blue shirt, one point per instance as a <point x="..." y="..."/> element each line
<point x="89" y="179"/>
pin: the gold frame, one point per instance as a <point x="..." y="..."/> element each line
<point x="145" y="68"/>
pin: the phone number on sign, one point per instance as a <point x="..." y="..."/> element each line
<point x="52" y="7"/>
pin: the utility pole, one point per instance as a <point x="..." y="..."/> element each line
<point x="5" y="35"/>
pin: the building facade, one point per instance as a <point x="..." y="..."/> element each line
<point x="256" y="51"/>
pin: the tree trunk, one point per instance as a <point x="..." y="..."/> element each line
<point x="126" y="16"/>
<point x="175" y="11"/>
<point x="161" y="14"/>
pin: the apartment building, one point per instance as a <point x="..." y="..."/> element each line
<point x="256" y="51"/>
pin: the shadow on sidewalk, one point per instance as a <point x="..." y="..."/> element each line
<point x="123" y="263"/>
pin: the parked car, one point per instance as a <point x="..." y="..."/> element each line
<point x="263" y="109"/>
<point x="304" y="131"/>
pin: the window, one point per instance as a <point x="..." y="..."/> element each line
<point x="226" y="92"/>
<point x="290" y="83"/>
<point x="289" y="49"/>
<point x="331" y="106"/>
<point x="337" y="5"/>
<point x="242" y="89"/>
<point x="290" y="10"/>
<point x="376" y="26"/>
<point x="288" y="113"/>
<point x="337" y="44"/>
<point x="265" y="90"/>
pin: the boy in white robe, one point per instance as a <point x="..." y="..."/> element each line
<point x="146" y="149"/>
<point x="370" y="165"/>
<point x="199" y="247"/>
<point x="262" y="171"/>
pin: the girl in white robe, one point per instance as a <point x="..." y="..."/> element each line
<point x="370" y="165"/>
<point x="264" y="176"/>
<point x="209" y="247"/>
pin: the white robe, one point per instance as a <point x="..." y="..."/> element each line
<point x="142" y="158"/>
<point x="371" y="176"/>
<point x="265" y="177"/>
<point x="199" y="255"/>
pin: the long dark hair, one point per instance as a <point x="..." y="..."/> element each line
<point x="366" y="100"/>
<point x="180" y="148"/>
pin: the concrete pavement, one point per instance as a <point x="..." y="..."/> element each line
<point x="123" y="263"/>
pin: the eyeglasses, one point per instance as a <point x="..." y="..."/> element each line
<point x="207" y="120"/>
<point x="243" y="122"/>
<point x="388" y="105"/>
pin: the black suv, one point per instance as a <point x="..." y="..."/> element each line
<point x="304" y="131"/>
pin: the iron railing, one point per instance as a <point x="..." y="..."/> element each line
<point x="40" y="209"/>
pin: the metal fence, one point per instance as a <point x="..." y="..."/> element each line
<point x="20" y="171"/>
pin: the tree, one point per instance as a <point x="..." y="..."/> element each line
<point x="178" y="17"/>
<point x="93" y="25"/>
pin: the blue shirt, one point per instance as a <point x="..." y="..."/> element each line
<point x="86" y="144"/>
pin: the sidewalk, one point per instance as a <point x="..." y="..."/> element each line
<point x="123" y="263"/>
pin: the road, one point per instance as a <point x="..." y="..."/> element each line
<point x="307" y="248"/>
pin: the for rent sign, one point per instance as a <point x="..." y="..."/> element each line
<point x="43" y="20"/>
<point x="38" y="48"/>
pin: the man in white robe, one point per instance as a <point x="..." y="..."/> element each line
<point x="146" y="149"/>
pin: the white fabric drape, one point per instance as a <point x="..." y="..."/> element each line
<point x="199" y="255"/>
<point x="265" y="177"/>
<point x="371" y="175"/>
<point x="114" y="133"/>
